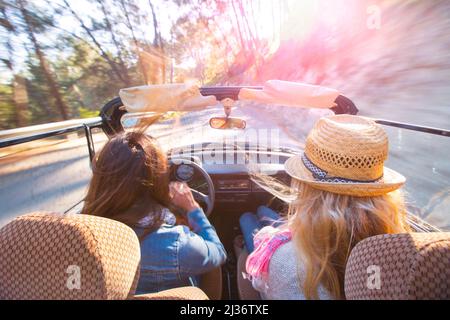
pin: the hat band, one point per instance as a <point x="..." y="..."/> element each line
<point x="321" y="175"/>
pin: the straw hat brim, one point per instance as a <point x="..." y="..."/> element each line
<point x="391" y="181"/>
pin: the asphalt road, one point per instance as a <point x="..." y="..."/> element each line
<point x="53" y="175"/>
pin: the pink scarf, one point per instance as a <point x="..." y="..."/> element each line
<point x="266" y="241"/>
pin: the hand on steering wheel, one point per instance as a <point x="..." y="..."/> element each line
<point x="207" y="199"/>
<point x="182" y="197"/>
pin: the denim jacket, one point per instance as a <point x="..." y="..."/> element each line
<point x="174" y="256"/>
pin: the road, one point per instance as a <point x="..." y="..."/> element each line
<point x="53" y="175"/>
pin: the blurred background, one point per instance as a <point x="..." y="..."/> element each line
<point x="63" y="59"/>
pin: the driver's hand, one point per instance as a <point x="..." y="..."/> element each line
<point x="182" y="197"/>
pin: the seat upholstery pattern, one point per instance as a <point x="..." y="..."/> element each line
<point x="410" y="266"/>
<point x="182" y="293"/>
<point x="54" y="256"/>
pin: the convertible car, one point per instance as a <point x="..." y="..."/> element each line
<point x="216" y="139"/>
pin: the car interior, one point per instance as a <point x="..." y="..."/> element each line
<point x="38" y="249"/>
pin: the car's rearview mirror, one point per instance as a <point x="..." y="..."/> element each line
<point x="227" y="123"/>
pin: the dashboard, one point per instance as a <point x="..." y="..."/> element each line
<point x="232" y="182"/>
<point x="234" y="190"/>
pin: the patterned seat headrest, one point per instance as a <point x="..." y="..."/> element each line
<point x="54" y="256"/>
<point x="400" y="266"/>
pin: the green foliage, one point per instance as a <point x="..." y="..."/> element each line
<point x="96" y="56"/>
<point x="6" y="108"/>
<point x="86" y="77"/>
<point x="86" y="113"/>
<point x="41" y="104"/>
<point x="92" y="49"/>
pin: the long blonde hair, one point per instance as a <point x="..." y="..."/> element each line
<point x="326" y="226"/>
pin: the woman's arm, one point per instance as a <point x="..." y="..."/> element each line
<point x="200" y="250"/>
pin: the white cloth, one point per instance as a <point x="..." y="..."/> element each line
<point x="186" y="97"/>
<point x="165" y="97"/>
<point x="294" y="94"/>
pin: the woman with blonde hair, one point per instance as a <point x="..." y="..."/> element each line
<point x="342" y="195"/>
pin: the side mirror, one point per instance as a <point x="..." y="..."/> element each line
<point x="132" y="120"/>
<point x="227" y="123"/>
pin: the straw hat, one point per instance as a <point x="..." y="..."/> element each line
<point x="345" y="154"/>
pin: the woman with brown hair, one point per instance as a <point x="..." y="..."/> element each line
<point x="341" y="194"/>
<point x="130" y="184"/>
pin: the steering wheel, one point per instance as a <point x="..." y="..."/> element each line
<point x="208" y="199"/>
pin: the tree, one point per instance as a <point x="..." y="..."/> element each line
<point x="87" y="76"/>
<point x="157" y="40"/>
<point x="19" y="97"/>
<point x="119" y="48"/>
<point x="121" y="76"/>
<point x="31" y="26"/>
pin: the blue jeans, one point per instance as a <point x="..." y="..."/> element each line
<point x="251" y="223"/>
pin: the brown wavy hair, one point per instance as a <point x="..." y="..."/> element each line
<point x="130" y="181"/>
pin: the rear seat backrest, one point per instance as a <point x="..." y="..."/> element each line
<point x="400" y="266"/>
